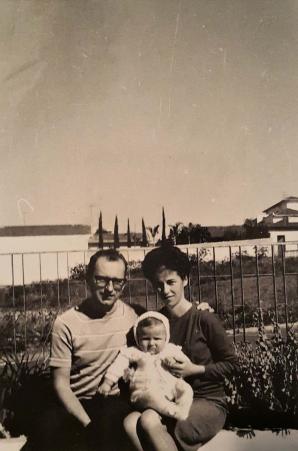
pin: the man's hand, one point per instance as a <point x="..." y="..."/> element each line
<point x="204" y="306"/>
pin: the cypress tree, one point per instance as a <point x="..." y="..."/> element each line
<point x="144" y="234"/>
<point x="116" y="234"/>
<point x="163" y="236"/>
<point x="128" y="234"/>
<point x="100" y="232"/>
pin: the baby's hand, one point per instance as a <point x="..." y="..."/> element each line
<point x="177" y="412"/>
<point x="128" y="374"/>
<point x="169" y="361"/>
<point x="105" y="388"/>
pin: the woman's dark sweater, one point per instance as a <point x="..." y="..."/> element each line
<point x="204" y="341"/>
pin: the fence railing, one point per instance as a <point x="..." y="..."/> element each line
<point x="239" y="279"/>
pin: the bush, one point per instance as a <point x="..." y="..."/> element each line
<point x="266" y="385"/>
<point x="21" y="390"/>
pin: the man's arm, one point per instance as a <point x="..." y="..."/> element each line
<point x="61" y="382"/>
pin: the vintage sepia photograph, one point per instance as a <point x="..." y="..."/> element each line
<point x="149" y="225"/>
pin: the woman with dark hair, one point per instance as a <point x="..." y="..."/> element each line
<point x="211" y="359"/>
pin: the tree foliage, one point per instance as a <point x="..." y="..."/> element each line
<point x="253" y="229"/>
<point x="188" y="234"/>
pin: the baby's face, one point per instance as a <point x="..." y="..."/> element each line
<point x="152" y="339"/>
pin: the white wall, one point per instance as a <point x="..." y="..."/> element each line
<point x="292" y="219"/>
<point x="290" y="235"/>
<point x="292" y="205"/>
<point x="71" y="252"/>
<point x="43" y="243"/>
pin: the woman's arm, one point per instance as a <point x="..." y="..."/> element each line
<point x="222" y="350"/>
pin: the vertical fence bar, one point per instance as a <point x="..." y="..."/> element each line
<point x="58" y="283"/>
<point x="13" y="305"/>
<point x="24" y="302"/>
<point x="242" y="294"/>
<point x="41" y="307"/>
<point x="146" y="294"/>
<point x="156" y="300"/>
<point x="146" y="289"/>
<point x="215" y="281"/>
<point x="285" y="287"/>
<point x="232" y="294"/>
<point x="41" y="296"/>
<point x="68" y="284"/>
<point x="129" y="276"/>
<point x="274" y="283"/>
<point x="188" y="280"/>
<point x="85" y="281"/>
<point x="258" y="277"/>
<point x="199" y="274"/>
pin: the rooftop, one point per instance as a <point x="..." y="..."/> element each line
<point x="286" y="199"/>
<point x="45" y="230"/>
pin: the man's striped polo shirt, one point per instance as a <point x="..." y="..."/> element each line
<point x="88" y="346"/>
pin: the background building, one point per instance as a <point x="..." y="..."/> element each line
<point x="49" y="251"/>
<point x="281" y="221"/>
<point x="44" y="238"/>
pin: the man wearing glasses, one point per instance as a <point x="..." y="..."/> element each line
<point x="85" y="341"/>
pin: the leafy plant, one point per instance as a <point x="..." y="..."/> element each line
<point x="78" y="272"/>
<point x="20" y="370"/>
<point x="21" y="384"/>
<point x="267" y="380"/>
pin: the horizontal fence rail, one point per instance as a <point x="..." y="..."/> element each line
<point x="242" y="282"/>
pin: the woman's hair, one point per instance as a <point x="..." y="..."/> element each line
<point x="169" y="257"/>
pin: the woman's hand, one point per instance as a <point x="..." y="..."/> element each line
<point x="204" y="306"/>
<point x="184" y="368"/>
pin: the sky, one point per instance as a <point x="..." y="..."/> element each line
<point x="126" y="106"/>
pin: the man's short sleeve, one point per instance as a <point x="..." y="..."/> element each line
<point x="61" y="346"/>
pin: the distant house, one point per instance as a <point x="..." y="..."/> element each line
<point x="281" y="220"/>
<point x="108" y="240"/>
<point x="44" y="238"/>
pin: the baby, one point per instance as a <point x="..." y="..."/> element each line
<point x="159" y="389"/>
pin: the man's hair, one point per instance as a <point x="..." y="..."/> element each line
<point x="169" y="257"/>
<point x="147" y="322"/>
<point x="109" y="254"/>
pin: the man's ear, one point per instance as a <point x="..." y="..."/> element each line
<point x="185" y="281"/>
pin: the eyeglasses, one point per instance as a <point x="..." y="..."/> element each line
<point x="104" y="281"/>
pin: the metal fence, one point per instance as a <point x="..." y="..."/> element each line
<point x="239" y="279"/>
